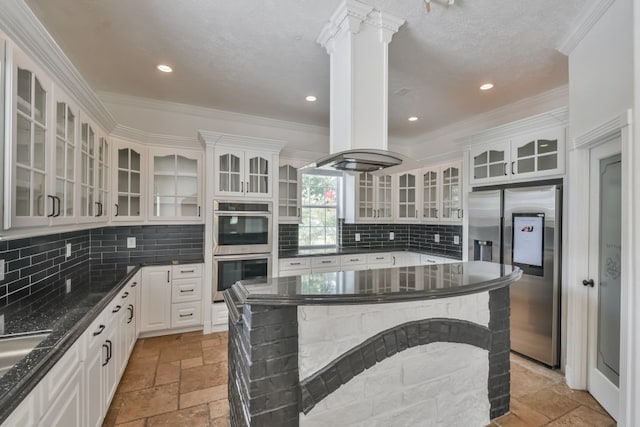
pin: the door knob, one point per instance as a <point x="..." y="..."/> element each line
<point x="588" y="283"/>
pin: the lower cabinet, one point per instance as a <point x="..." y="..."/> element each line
<point x="68" y="408"/>
<point x="156" y="296"/>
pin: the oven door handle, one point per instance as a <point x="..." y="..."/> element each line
<point x="242" y="257"/>
<point x="217" y="214"/>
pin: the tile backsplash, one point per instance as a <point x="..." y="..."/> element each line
<point x="36" y="266"/>
<point x="287" y="237"/>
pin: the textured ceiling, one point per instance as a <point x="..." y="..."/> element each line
<point x="261" y="58"/>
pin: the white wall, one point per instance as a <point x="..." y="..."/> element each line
<point x="601" y="70"/>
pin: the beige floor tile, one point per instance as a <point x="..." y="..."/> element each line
<point x="219" y="408"/>
<point x="197" y="416"/>
<point x="580" y="396"/>
<point x="148" y="402"/>
<point x="210" y="343"/>
<point x="198" y="397"/>
<point x="191" y="363"/>
<point x="524" y="381"/>
<point x="181" y="351"/>
<point x="202" y="377"/>
<point x="214" y="354"/>
<point x="583" y="416"/>
<point x="521" y="415"/>
<point x="136" y="423"/>
<point x="112" y="413"/>
<point x="549" y="403"/>
<point x="167" y="373"/>
<point x="220" y="422"/>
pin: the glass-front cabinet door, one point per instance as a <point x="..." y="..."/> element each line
<point x="258" y="175"/>
<point x="65" y="156"/>
<point x="175" y="186"/>
<point x="490" y="163"/>
<point x="365" y="187"/>
<point x="430" y="194"/>
<point x="230" y="173"/>
<point x="384" y="198"/>
<point x="87" y="171"/>
<point x="407" y="205"/>
<point x="102" y="178"/>
<point x="32" y="201"/>
<point x="288" y="194"/>
<point x="539" y="154"/>
<point x="452" y="192"/>
<point x="128" y="183"/>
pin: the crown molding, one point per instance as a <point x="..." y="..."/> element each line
<point x="604" y="130"/>
<point x="584" y="24"/>
<point x="550" y="100"/>
<point x="207" y="113"/>
<point x="140" y="136"/>
<point x="24" y="29"/>
<point x="217" y="139"/>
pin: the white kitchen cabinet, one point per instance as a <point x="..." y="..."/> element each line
<point x="64" y="158"/>
<point x="407" y="203"/>
<point x="129" y="182"/>
<point x="431" y="187"/>
<point x="155" y="310"/>
<point x="531" y="156"/>
<point x="27" y="413"/>
<point x="289" y="194"/>
<point x="103" y="178"/>
<point x="186" y="314"/>
<point x="175" y="184"/>
<point x="95" y="362"/>
<point x="353" y="262"/>
<point x="379" y="260"/>
<point x="87" y="170"/>
<point x="243" y="173"/>
<point x="29" y="122"/>
<point x="374" y="198"/>
<point x="67" y="410"/>
<point x="451" y="192"/>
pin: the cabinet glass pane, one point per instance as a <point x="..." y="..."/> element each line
<point x="164" y="185"/>
<point x="187" y="206"/>
<point x="90" y="171"/>
<point x="123" y="181"/>
<point x="134" y="209"/>
<point x="71" y="126"/>
<point x="496" y="170"/>
<point x="282" y="173"/>
<point x="264" y="184"/>
<point x="526" y="165"/>
<point x="84" y="197"/>
<point x="293" y="211"/>
<point x="135" y="182"/>
<point x="253" y="184"/>
<point x="70" y="157"/>
<point x="38" y="147"/>
<point x="224" y="183"/>
<point x="282" y="189"/>
<point x="480" y="159"/>
<point x="164" y="206"/>
<point x="164" y="164"/>
<point x="293" y="190"/>
<point x="38" y="194"/>
<point x="24" y="91"/>
<point x="547" y="162"/>
<point x="123" y="205"/>
<point x="187" y="186"/>
<point x="480" y="172"/>
<point x="526" y="150"/>
<point x="40" y="103"/>
<point x="123" y="158"/>
<point x="496" y="156"/>
<point x="23" y="141"/>
<point x="234" y="163"/>
<point x="23" y="191"/>
<point x="547" y="146"/>
<point x="61" y="108"/>
<point x="60" y="151"/>
<point x="187" y="166"/>
<point x="135" y="160"/>
<point x="411" y="180"/>
<point x="224" y="163"/>
<point x="69" y="199"/>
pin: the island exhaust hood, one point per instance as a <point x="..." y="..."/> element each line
<point x="357" y="38"/>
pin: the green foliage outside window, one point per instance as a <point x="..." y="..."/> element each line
<point x="319" y="211"/>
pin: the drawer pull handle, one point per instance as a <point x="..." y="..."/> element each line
<point x="379" y="257"/>
<point x="354" y="259"/>
<point x="431" y="261"/>
<point x="186" y="315"/>
<point x="99" y="331"/>
<point x="187" y="290"/>
<point x="117" y="309"/>
<point x="326" y="262"/>
<point x="134" y="284"/>
<point x="126" y="294"/>
<point x="295" y="263"/>
<point x="187" y="271"/>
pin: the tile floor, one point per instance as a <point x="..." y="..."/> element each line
<point x="181" y="380"/>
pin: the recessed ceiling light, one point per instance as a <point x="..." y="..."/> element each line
<point x="165" y="68"/>
<point x="413" y="119"/>
<point x="311" y="98"/>
<point x="486" y="86"/>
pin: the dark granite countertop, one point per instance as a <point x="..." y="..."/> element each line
<point x="375" y="286"/>
<point x="67" y="316"/>
<point x="348" y="251"/>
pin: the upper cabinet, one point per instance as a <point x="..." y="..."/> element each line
<point x="374" y="198"/>
<point x="88" y="154"/>
<point x="128" y="204"/>
<point x="64" y="155"/>
<point x="243" y="173"/>
<point x="175" y="185"/>
<point x="531" y="156"/>
<point x="289" y="194"/>
<point x="407" y="203"/>
<point x="451" y="192"/>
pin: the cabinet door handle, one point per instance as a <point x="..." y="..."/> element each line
<point x="58" y="203"/>
<point x="134" y="284"/>
<point x="394" y="260"/>
<point x="126" y="294"/>
<point x="505" y="168"/>
<point x="106" y="360"/>
<point x="117" y="309"/>
<point x="117" y="210"/>
<point x="99" y="331"/>
<point x="436" y="212"/>
<point x="97" y="208"/>
<point x="416" y="213"/>
<point x="186" y="290"/>
<point x="512" y="165"/>
<point x="130" y="308"/>
<point x="299" y="212"/>
<point x="187" y="271"/>
<point x="53" y="206"/>
<point x="186" y="315"/>
<point x="460" y="213"/>
<point x="198" y="210"/>
<point x="110" y="350"/>
<point x="168" y="276"/>
<point x="242" y="186"/>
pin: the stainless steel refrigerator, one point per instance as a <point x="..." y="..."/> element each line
<point x="522" y="227"/>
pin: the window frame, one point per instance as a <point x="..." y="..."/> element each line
<point x="336" y="206"/>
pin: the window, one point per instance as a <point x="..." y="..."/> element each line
<point x="319" y="211"/>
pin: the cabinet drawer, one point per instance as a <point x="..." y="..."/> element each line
<point x="325" y="262"/>
<point x="290" y="273"/>
<point x="185" y="290"/>
<point x="186" y="271"/>
<point x="294" y="263"/>
<point x="355" y="260"/>
<point x="186" y="314"/>
<point x="379" y="259"/>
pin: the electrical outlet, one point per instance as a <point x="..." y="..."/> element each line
<point x="456" y="240"/>
<point x="357" y="237"/>
<point x="68" y="283"/>
<point x="131" y="242"/>
<point x="1" y="269"/>
<point x="392" y="235"/>
<point x="436" y="238"/>
<point x="68" y="253"/>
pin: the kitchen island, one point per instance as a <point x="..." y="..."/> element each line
<point x="418" y="345"/>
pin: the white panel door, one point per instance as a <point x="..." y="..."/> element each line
<point x="155" y="308"/>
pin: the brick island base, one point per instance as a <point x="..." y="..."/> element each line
<point x="438" y="362"/>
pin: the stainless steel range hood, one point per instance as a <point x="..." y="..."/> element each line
<point x="357" y="38"/>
